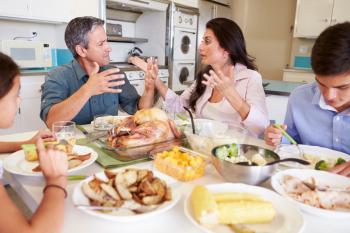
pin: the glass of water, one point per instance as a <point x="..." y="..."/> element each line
<point x="64" y="132"/>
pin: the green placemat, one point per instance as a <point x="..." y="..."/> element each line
<point x="106" y="158"/>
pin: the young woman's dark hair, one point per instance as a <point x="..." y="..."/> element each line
<point x="8" y="71"/>
<point x="230" y="38"/>
<point x="331" y="52"/>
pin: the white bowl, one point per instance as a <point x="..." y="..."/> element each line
<point x="210" y="133"/>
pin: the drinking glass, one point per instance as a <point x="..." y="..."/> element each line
<point x="64" y="132"/>
<point x="103" y="122"/>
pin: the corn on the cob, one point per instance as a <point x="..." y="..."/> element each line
<point x="245" y="212"/>
<point x="222" y="197"/>
<point x="204" y="206"/>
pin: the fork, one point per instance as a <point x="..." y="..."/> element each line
<point x="315" y="187"/>
<point x="138" y="210"/>
<point x="289" y="138"/>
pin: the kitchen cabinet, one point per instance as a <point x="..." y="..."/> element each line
<point x="48" y="11"/>
<point x="313" y="16"/>
<point x="28" y="116"/>
<point x="14" y="8"/>
<point x="294" y="75"/>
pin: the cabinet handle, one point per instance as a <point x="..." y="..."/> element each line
<point x="324" y="20"/>
<point x="19" y="110"/>
<point x="334" y="20"/>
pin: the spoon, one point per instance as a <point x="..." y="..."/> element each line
<point x="192" y="122"/>
<point x="284" y="133"/>
<point x="301" y="161"/>
<point x="304" y="162"/>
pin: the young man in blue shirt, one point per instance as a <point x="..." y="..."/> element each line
<point x="87" y="86"/>
<point x="319" y="113"/>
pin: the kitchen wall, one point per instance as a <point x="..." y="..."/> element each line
<point x="120" y="50"/>
<point x="267" y="29"/>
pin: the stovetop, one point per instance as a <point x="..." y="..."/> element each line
<point x="124" y="66"/>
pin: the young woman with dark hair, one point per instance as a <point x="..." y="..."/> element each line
<point x="49" y="215"/>
<point x="228" y="88"/>
<point x="8" y="71"/>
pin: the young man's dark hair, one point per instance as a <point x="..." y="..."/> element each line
<point x="331" y="52"/>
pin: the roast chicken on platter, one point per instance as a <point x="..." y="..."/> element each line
<point x="146" y="127"/>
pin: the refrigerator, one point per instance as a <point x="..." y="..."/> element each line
<point x="210" y="9"/>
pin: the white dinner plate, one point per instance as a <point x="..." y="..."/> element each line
<point x="80" y="199"/>
<point x="17" y="164"/>
<point x="312" y="153"/>
<point x="333" y="180"/>
<point x="108" y="122"/>
<point x="288" y="218"/>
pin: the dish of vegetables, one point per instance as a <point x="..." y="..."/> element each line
<point x="320" y="158"/>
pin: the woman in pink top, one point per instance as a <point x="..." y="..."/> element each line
<point x="228" y="88"/>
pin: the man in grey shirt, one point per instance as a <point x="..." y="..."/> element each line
<point x="87" y="86"/>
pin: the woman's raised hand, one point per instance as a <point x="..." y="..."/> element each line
<point x="151" y="74"/>
<point x="221" y="80"/>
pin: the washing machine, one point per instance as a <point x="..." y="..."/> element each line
<point x="184" y="44"/>
<point x="183" y="75"/>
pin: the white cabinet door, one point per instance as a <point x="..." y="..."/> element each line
<point x="312" y="17"/>
<point x="341" y="10"/>
<point x="29" y="118"/>
<point x="85" y="8"/>
<point x="298" y="76"/>
<point x="55" y="11"/>
<point x="14" y="8"/>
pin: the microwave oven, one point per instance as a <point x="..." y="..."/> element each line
<point x="28" y="54"/>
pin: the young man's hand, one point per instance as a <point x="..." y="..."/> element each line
<point x="273" y="136"/>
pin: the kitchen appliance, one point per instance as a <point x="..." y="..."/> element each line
<point x="182" y="44"/>
<point x="136" y="5"/>
<point x="137" y="78"/>
<point x="28" y="54"/>
<point x="114" y="29"/>
<point x="222" y="2"/>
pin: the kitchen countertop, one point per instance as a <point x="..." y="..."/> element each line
<point x="298" y="70"/>
<point x="35" y="72"/>
<point x="276" y="87"/>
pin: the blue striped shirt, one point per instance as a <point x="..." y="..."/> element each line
<point x="310" y="121"/>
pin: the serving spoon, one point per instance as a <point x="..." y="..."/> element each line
<point x="301" y="161"/>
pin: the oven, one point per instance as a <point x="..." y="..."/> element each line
<point x="184" y="44"/>
<point x="137" y="78"/>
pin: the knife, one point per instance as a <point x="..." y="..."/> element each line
<point x="82" y="129"/>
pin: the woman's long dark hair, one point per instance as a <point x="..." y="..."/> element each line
<point x="8" y="71"/>
<point x="230" y="38"/>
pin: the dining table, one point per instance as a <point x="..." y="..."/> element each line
<point x="174" y="220"/>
